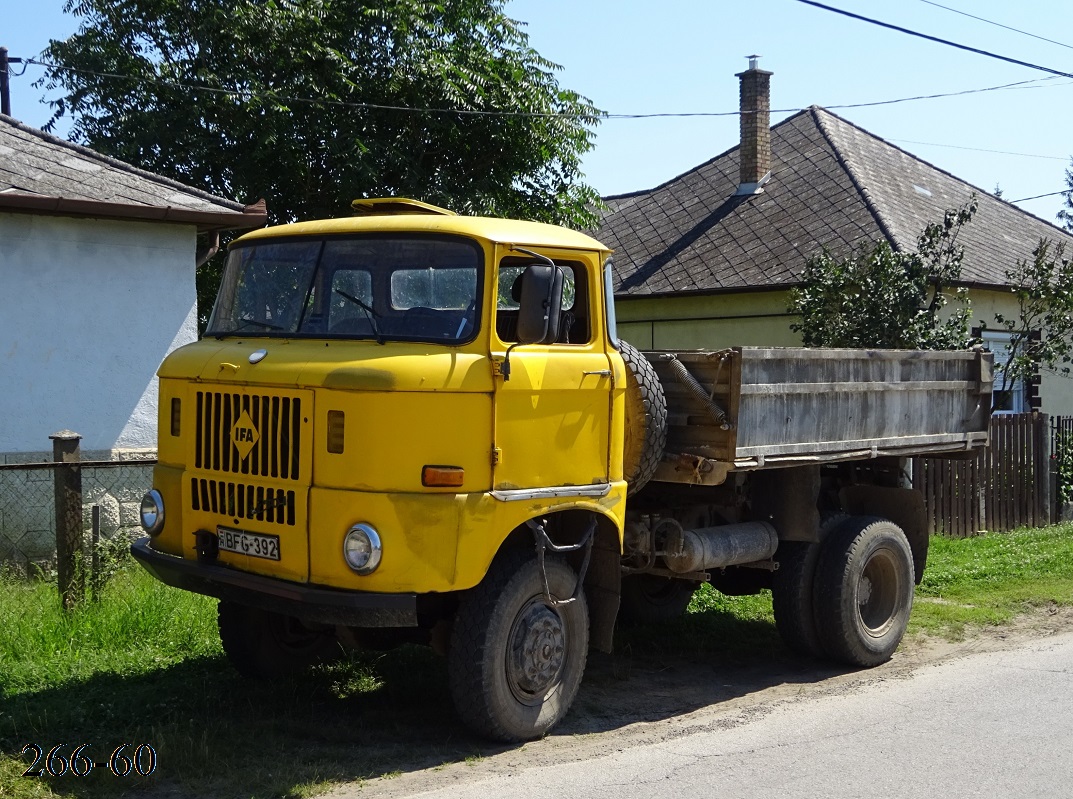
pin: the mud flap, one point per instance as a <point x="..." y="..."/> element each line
<point x="903" y="506"/>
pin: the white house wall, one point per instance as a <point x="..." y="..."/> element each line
<point x="88" y="309"/>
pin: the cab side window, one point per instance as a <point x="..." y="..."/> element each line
<point x="574" y="324"/>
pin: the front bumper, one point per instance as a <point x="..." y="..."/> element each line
<point x="306" y="602"/>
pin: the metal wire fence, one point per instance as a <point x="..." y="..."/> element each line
<point x="28" y="504"/>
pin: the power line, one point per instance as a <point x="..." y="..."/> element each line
<point x="598" y="115"/>
<point x="930" y="38"/>
<point x="251" y="94"/>
<point x="997" y="24"/>
<point x="982" y="150"/>
<point x="1038" y="196"/>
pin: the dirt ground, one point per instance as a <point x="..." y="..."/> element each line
<point x="626" y="702"/>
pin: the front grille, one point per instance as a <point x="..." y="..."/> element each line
<point x="278" y="424"/>
<point x="239" y="501"/>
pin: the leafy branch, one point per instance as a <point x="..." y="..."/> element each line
<point x="1041" y="332"/>
<point x="882" y="297"/>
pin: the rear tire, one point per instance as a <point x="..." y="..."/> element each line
<point x="864" y="590"/>
<point x="516" y="661"/>
<point x="792" y="597"/>
<point x="268" y="645"/>
<point x="646" y="420"/>
<point x="651" y="599"/>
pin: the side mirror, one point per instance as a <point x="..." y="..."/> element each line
<point x="541" y="304"/>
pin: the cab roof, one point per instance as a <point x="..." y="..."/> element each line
<point x="394" y="214"/>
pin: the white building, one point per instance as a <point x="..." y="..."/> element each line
<point x="97" y="264"/>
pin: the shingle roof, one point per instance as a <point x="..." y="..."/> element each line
<point x="833" y="185"/>
<point x="42" y="173"/>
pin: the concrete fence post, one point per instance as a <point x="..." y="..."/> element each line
<point x="67" y="483"/>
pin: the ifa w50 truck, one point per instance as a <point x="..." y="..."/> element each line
<point x="415" y="424"/>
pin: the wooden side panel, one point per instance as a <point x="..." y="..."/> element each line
<point x="796" y="405"/>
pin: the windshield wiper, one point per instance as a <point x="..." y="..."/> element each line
<point x="369" y="313"/>
<point x="242" y="324"/>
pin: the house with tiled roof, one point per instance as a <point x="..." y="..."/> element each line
<point x="97" y="264"/>
<point x="707" y="259"/>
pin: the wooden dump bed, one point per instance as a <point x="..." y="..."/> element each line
<point x="786" y="406"/>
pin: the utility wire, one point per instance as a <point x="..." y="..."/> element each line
<point x="982" y="150"/>
<point x="341" y="103"/>
<point x="997" y="24"/>
<point x="476" y="112"/>
<point x="930" y="38"/>
<point x="25" y="65"/>
<point x="1038" y="196"/>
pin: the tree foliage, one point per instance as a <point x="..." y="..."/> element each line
<point x="310" y="104"/>
<point x="300" y="102"/>
<point x="882" y="297"/>
<point x="1041" y="333"/>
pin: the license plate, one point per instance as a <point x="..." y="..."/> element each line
<point x="253" y="544"/>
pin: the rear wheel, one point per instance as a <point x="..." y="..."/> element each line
<point x="263" y="644"/>
<point x="792" y="596"/>
<point x="516" y="660"/>
<point x="864" y="590"/>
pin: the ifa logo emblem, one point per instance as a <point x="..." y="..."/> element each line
<point x="244" y="435"/>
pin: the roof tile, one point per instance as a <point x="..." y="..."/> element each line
<point x="834" y="186"/>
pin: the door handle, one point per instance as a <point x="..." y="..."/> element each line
<point x="601" y="372"/>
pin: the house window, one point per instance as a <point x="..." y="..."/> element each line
<point x="1009" y="395"/>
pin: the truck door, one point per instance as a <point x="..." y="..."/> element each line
<point x="552" y="416"/>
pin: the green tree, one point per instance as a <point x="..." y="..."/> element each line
<point x="1041" y="332"/>
<point x="312" y="103"/>
<point x="882" y="297"/>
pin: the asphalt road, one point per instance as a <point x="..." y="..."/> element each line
<point x="994" y="724"/>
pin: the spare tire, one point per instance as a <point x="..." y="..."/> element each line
<point x="646" y="420"/>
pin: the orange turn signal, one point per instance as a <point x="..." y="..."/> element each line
<point x="336" y="431"/>
<point x="442" y="476"/>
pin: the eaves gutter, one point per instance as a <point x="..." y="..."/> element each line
<point x="251" y="216"/>
<point x="779" y="287"/>
<point x="716" y="292"/>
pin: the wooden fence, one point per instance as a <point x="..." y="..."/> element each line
<point x="1005" y="486"/>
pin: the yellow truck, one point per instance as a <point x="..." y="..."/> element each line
<point x="418" y="426"/>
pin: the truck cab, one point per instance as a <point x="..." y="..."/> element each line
<point x="377" y="409"/>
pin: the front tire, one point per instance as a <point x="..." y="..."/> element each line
<point x="864" y="591"/>
<point x="516" y="661"/>
<point x="268" y="645"/>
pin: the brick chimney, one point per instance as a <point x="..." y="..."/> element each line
<point x="755" y="151"/>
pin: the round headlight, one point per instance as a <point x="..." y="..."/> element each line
<point x="361" y="548"/>
<point x="152" y="512"/>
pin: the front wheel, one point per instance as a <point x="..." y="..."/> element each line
<point x="864" y="590"/>
<point x="516" y="660"/>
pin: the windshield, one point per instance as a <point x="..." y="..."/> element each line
<point x="379" y="287"/>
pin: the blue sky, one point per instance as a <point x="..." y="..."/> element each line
<point x="680" y="56"/>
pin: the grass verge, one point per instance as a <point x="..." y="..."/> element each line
<point x="990" y="579"/>
<point x="145" y="666"/>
